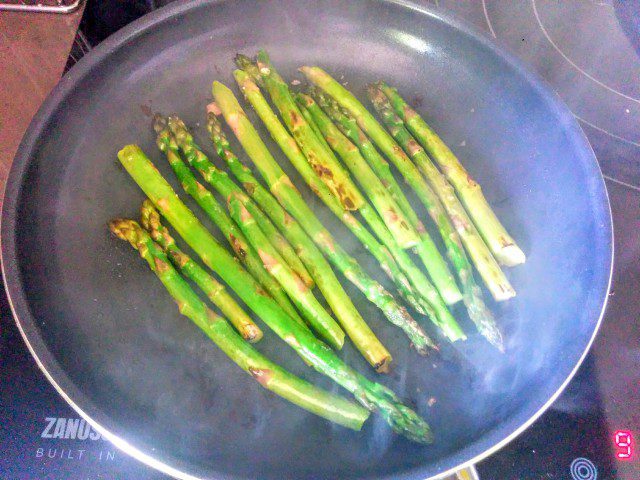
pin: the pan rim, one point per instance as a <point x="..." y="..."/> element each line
<point x="27" y="324"/>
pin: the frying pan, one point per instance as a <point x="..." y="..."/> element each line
<point x="110" y="339"/>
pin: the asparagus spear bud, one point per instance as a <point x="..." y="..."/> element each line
<point x="372" y="395"/>
<point x="243" y="250"/>
<point x="195" y="156"/>
<point x="436" y="265"/>
<point x="321" y="159"/>
<point x="214" y="290"/>
<point x="316" y="315"/>
<point x="349" y="317"/>
<point x="282" y="187"/>
<point x="477" y="310"/>
<point x="268" y="374"/>
<point x="250" y="67"/>
<point x="294" y="154"/>
<point x="499" y="241"/>
<point x="472" y="295"/>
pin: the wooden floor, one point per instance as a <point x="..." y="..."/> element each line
<point x="33" y="52"/>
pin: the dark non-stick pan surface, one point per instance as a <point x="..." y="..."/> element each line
<point x="111" y="339"/>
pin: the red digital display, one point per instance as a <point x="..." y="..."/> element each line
<point x="624" y="445"/>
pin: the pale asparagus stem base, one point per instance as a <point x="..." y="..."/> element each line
<point x="291" y="199"/>
<point x="373" y="396"/>
<point x="268" y="374"/>
<point x="350" y="319"/>
<point x="300" y="294"/>
<point x="205" y="199"/>
<point x="499" y="285"/>
<point x="501" y="244"/>
<point x="214" y="290"/>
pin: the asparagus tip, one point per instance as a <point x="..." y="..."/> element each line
<point x="242" y="61"/>
<point x="149" y="216"/>
<point x="159" y="122"/>
<point x="125" y="229"/>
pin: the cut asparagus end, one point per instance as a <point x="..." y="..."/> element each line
<point x="510" y="256"/>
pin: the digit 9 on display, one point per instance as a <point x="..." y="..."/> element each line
<point x="624" y="444"/>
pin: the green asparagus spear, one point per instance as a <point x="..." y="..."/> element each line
<point x="185" y="141"/>
<point x="372" y="395"/>
<point x="322" y="161"/>
<point x="315" y="314"/>
<point x="405" y="288"/>
<point x="270" y="375"/>
<point x="499" y="241"/>
<point x="215" y="291"/>
<point x="353" y="324"/>
<point x="436" y="265"/>
<point x="478" y="251"/>
<point x="243" y="250"/>
<point x="393" y="217"/>
<point x="297" y="158"/>
<point x="284" y="190"/>
<point x="499" y="285"/>
<point x="349" y="127"/>
<point x="477" y="310"/>
<point x="472" y="295"/>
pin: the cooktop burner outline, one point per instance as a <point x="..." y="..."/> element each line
<point x="571" y="62"/>
<point x="584" y="73"/>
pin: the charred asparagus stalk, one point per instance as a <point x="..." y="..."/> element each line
<point x="495" y="235"/>
<point x="270" y="375"/>
<point x="289" y="197"/>
<point x="315" y="314"/>
<point x="372" y="395"/>
<point x="436" y="266"/>
<point x="292" y="151"/>
<point x="394" y="219"/>
<point x="480" y="254"/>
<point x="472" y="295"/>
<point x="271" y="260"/>
<point x="478" y="312"/>
<point x="185" y="141"/>
<point x="243" y="250"/>
<point x="214" y="290"/>
<point x="321" y="159"/>
<point x="353" y="324"/>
